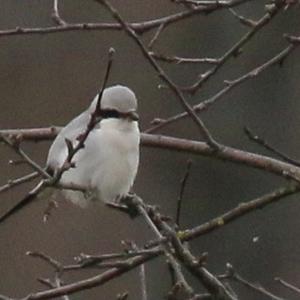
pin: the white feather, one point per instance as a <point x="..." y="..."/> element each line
<point x="108" y="163"/>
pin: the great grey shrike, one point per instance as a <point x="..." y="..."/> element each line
<point x="108" y="163"/>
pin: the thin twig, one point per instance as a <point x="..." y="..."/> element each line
<point x="215" y="3"/>
<point x="165" y="247"/>
<point x="123" y="296"/>
<point x="15" y="182"/>
<point x="48" y="259"/>
<point x="288" y="285"/>
<point x="68" y="163"/>
<point x="182" y="188"/>
<point x="90" y="126"/>
<point x="243" y="20"/>
<point x="183" y="60"/>
<point x="234" y="214"/>
<point x="156" y="35"/>
<point x="56" y="16"/>
<point x="180" y="281"/>
<point x="153" y="218"/>
<point x="15" y="145"/>
<point x="236" y="47"/>
<point x="95" y="262"/>
<point x="142" y="271"/>
<point x="53" y="285"/>
<point x="86" y="259"/>
<point x="229" y="85"/>
<point x="266" y="145"/>
<point x="232" y="274"/>
<point x="238" y="211"/>
<point x="130" y="31"/>
<point x="193" y="265"/>
<point x="110" y="274"/>
<point x="94" y="281"/>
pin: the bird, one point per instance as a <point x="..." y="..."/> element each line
<point x="107" y="164"/>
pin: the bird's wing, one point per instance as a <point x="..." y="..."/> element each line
<point x="58" y="151"/>
<point x="56" y="157"/>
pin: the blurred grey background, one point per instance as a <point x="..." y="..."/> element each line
<point x="48" y="79"/>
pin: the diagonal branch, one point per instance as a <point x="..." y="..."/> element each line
<point x="266" y="145"/>
<point x="145" y="255"/>
<point x="130" y="31"/>
<point x="230" y="84"/>
<point x="90" y="126"/>
<point x="237" y="46"/>
<point x="240" y="210"/>
<point x="15" y="182"/>
<point x="232" y="274"/>
<point x="288" y="285"/>
<point x="15" y="145"/>
<point x="193" y="265"/>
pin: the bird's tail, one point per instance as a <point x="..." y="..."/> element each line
<point x="32" y="195"/>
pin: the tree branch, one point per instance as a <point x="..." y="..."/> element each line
<point x="202" y="128"/>
<point x="230" y="84"/>
<point x="234" y="155"/>
<point x="139" y="27"/>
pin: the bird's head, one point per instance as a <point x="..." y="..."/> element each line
<point x="117" y="102"/>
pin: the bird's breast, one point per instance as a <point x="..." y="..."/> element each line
<point x="118" y="158"/>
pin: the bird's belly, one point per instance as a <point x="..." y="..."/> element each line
<point x="115" y="176"/>
<point x="107" y="165"/>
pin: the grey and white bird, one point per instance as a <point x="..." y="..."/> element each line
<point x="108" y="163"/>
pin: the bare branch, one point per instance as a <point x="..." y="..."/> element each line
<point x="242" y="19"/>
<point x="188" y="146"/>
<point x="126" y="265"/>
<point x="54" y="263"/>
<point x="182" y="188"/>
<point x="203" y="130"/>
<point x="288" y="285"/>
<point x="183" y="60"/>
<point x="15" y="182"/>
<point x="180" y="281"/>
<point x="156" y="35"/>
<point x="140" y="27"/>
<point x="237" y="46"/>
<point x="232" y="274"/>
<point x="15" y="145"/>
<point x="193" y="265"/>
<point x="56" y="16"/>
<point x="230" y="84"/>
<point x="214" y="3"/>
<point x="123" y="296"/>
<point x="90" y="126"/>
<point x="240" y="210"/>
<point x="94" y="281"/>
<point x="267" y="146"/>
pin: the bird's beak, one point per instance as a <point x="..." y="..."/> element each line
<point x="133" y="115"/>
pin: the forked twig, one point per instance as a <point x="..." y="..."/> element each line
<point x="130" y="31"/>
<point x="266" y="145"/>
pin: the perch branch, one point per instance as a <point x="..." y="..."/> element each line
<point x="250" y="159"/>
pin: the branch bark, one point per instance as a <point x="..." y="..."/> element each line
<point x="234" y="155"/>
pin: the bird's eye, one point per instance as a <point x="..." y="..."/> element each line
<point x="110" y="113"/>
